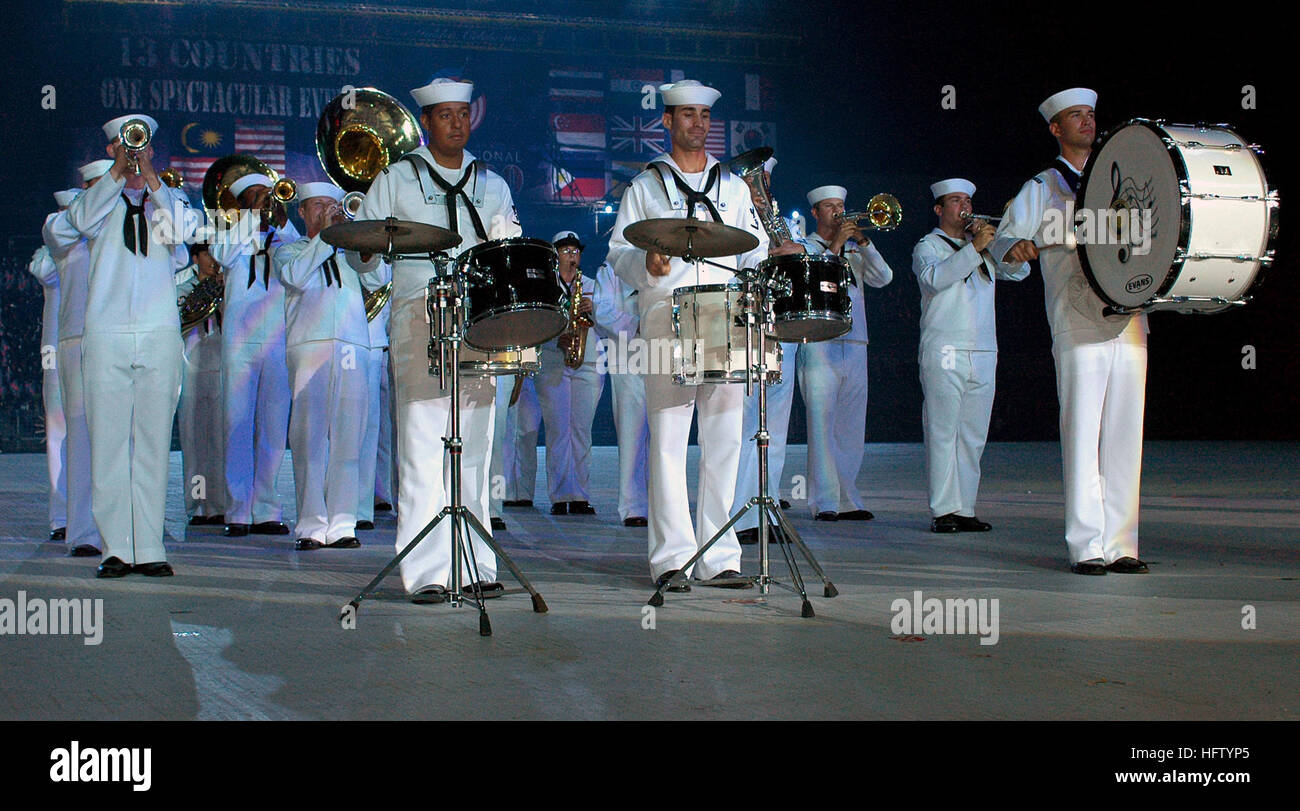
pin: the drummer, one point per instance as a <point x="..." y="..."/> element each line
<point x="1101" y="362"/>
<point x="688" y="180"/>
<point x="441" y="184"/>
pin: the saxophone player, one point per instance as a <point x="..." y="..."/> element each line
<point x="568" y="388"/>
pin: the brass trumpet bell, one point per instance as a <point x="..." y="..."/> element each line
<point x="357" y="142"/>
<point x="885" y="212"/>
<point x="222" y="174"/>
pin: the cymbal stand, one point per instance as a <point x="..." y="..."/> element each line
<point x="446" y="312"/>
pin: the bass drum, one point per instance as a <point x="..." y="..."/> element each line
<point x="512" y="293"/>
<point x="1175" y="217"/>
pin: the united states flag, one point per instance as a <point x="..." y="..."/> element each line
<point x="265" y="139"/>
<point x="716" y="143"/>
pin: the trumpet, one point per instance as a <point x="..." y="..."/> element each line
<point x="135" y="136"/>
<point x="172" y="177"/>
<point x="969" y="218"/>
<point x="352" y="204"/>
<point x="284" y="191"/>
<point x="883" y="213"/>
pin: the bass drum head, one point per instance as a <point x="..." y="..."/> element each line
<point x="1130" y="215"/>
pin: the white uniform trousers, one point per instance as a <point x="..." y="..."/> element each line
<point x="329" y="380"/>
<point x="1102" y="390"/>
<point x="385" y="463"/>
<point x="519" y="456"/>
<point x="672" y="537"/>
<point x="255" y="381"/>
<point x="568" y="398"/>
<point x="56" y="436"/>
<point x="202" y="426"/>
<point x="132" y="383"/>
<point x="81" y="520"/>
<point x="780" y="398"/>
<point x="833" y="379"/>
<point x="955" y="418"/>
<point x="368" y="465"/>
<point x="628" y="392"/>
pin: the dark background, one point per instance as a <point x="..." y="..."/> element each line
<point x="854" y="91"/>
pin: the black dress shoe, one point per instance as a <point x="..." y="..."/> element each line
<point x="560" y="508"/>
<point x="113" y="567"/>
<point x="785" y="505"/>
<point x="581" y="508"/>
<point x="747" y="536"/>
<point x="484" y="588"/>
<point x="429" y="595"/>
<point x="731" y="574"/>
<point x="969" y="523"/>
<point x="856" y="515"/>
<point x="60" y="534"/>
<point x="207" y="520"/>
<point x="677" y="587"/>
<point x="944" y="523"/>
<point x="383" y="507"/>
<point x="518" y="502"/>
<point x="827" y="516"/>
<point x="365" y="525"/>
<point x="344" y="543"/>
<point x="307" y="544"/>
<point x="84" y="550"/>
<point x="235" y="530"/>
<point x="1127" y="565"/>
<point x="1096" y="566"/>
<point x="635" y="521"/>
<point x="160" y="568"/>
<point x="198" y="520"/>
<point x="269" y="528"/>
<point x="498" y="524"/>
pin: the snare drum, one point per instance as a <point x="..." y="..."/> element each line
<point x="512" y="294"/>
<point x="1182" y="218"/>
<point x="709" y="328"/>
<point x="812" y="298"/>
<point x="491" y="364"/>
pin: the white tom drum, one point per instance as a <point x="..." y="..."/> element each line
<point x="1175" y="217"/>
<point x="709" y="325"/>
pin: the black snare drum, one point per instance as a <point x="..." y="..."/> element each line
<point x="513" y="298"/>
<point x="811" y="302"/>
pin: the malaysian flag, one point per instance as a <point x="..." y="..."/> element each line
<point x="265" y="140"/>
<point x="637" y="134"/>
<point x="197" y="145"/>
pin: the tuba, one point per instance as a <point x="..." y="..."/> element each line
<point x="579" y="324"/>
<point x="748" y="166"/>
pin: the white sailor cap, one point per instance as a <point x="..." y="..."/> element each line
<point x="1066" y="99"/>
<point x="569" y="237"/>
<point x="827" y="193"/>
<point x="95" y="169"/>
<point x="443" y="90"/>
<point x="306" y="191"/>
<point x="688" y="92"/>
<point x="953" y="185"/>
<point x="113" y="128"/>
<point x="252" y="179"/>
<point x="65" y="197"/>
<point x="769" y="165"/>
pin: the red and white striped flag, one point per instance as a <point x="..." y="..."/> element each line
<point x="263" y="139"/>
<point x="716" y="142"/>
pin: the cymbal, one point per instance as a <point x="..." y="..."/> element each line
<point x="700" y="238"/>
<point x="372" y="236"/>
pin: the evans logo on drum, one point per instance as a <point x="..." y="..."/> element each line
<point x="1223" y="170"/>
<point x="1138" y="283"/>
<point x="828" y="287"/>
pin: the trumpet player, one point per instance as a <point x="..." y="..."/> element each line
<point x="959" y="351"/>
<point x="569" y="386"/>
<point x="46" y="271"/>
<point x="327" y="343"/>
<point x="833" y="374"/>
<point x="254" y="373"/>
<point x="137" y="228"/>
<point x="200" y="413"/>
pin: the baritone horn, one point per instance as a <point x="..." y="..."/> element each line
<point x="748" y="166"/>
<point x="883" y="213"/>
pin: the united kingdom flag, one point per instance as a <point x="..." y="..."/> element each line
<point x="636" y="135"/>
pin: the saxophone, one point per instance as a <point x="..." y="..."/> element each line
<point x="576" y="351"/>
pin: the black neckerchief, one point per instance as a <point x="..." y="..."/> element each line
<point x="451" y="192"/>
<point x="264" y="252"/>
<point x="692" y="196"/>
<point x="330" y="264"/>
<point x="984" y="271"/>
<point x="135" y="236"/>
<point x="1067" y="173"/>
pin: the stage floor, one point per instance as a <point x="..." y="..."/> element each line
<point x="247" y="629"/>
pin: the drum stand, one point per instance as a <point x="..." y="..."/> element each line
<point x="770" y="513"/>
<point x="447" y="312"/>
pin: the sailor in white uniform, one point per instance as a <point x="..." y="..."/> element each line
<point x="1101" y="361"/>
<point x="131" y="350"/>
<point x="200" y="413"/>
<point x="254" y="373"/>
<point x="71" y="252"/>
<point x="959" y="351"/>
<point x="833" y="374"/>
<point x="618" y="319"/>
<point x="568" y="396"/>
<point x="46" y="271"/>
<point x="519" y="453"/>
<point x="376" y="454"/>
<point x="327" y="344"/>
<point x="686" y="181"/>
<point x="444" y="185"/>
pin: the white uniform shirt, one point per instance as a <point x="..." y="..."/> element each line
<point x="868" y="267"/>
<point x="614" y="305"/>
<point x="129" y="292"/>
<point x="318" y="306"/>
<point x="957" y="304"/>
<point x="647" y="198"/>
<point x="252" y="313"/>
<point x="1073" y="310"/>
<point x="71" y="254"/>
<point x="46" y="272"/>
